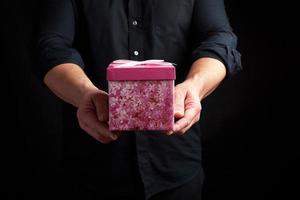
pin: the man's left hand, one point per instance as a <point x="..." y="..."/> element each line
<point x="187" y="107"/>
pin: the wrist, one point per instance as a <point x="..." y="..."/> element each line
<point x="86" y="89"/>
<point x="196" y="83"/>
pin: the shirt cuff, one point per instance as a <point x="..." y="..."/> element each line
<point x="230" y="57"/>
<point x="53" y="57"/>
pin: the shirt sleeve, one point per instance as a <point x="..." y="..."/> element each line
<point x="56" y="36"/>
<point x="213" y="36"/>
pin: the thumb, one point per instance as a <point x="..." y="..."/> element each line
<point x="179" y="103"/>
<point x="100" y="100"/>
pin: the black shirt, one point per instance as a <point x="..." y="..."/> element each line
<point x="93" y="33"/>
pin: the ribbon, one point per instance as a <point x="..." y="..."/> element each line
<point x="133" y="63"/>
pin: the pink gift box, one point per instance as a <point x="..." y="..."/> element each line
<point x="141" y="95"/>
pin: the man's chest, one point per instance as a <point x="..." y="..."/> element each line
<point x="150" y="13"/>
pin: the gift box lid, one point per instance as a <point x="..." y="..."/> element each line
<point x="140" y="70"/>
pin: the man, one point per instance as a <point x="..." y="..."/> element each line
<point x="79" y="38"/>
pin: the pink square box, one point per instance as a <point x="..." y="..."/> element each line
<point x="141" y="95"/>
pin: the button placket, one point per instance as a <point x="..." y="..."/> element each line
<point x="135" y="30"/>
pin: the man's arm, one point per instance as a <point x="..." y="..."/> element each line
<point x="214" y="57"/>
<point x="213" y="36"/>
<point x="60" y="66"/>
<point x="206" y="74"/>
<point x="203" y="78"/>
<point x="69" y="82"/>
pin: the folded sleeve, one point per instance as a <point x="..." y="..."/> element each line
<point x="213" y="36"/>
<point x="55" y="36"/>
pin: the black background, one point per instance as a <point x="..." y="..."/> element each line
<point x="250" y="147"/>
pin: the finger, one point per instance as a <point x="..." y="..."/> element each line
<point x="179" y="103"/>
<point x="192" y="110"/>
<point x="184" y="130"/>
<point x="185" y="121"/>
<point x="101" y="103"/>
<point x="117" y="133"/>
<point x="100" y="128"/>
<point x="103" y="129"/>
<point x="95" y="134"/>
<point x="167" y="132"/>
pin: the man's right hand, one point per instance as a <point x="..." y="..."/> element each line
<point x="69" y="82"/>
<point x="92" y="116"/>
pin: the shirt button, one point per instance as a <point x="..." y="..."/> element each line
<point x="136" y="53"/>
<point x="134" y="23"/>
